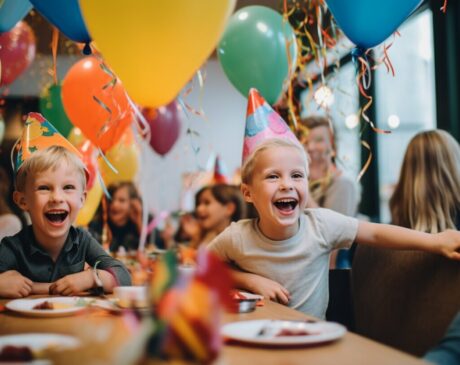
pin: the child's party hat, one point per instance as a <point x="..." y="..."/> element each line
<point x="263" y="123"/>
<point x="219" y="173"/>
<point x="39" y="134"/>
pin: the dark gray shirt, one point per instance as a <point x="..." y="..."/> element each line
<point x="22" y="253"/>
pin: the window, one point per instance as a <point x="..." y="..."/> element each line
<point x="406" y="103"/>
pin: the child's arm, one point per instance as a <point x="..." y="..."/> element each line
<point x="259" y="285"/>
<point x="446" y="243"/>
<point x="74" y="284"/>
<point x="14" y="285"/>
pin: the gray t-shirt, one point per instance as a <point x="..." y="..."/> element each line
<point x="300" y="263"/>
<point x="343" y="196"/>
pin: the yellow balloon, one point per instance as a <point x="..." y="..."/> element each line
<point x="155" y="46"/>
<point x="93" y="199"/>
<point x="124" y="157"/>
<point x="76" y="136"/>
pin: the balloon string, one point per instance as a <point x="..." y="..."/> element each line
<point x="106" y="160"/>
<point x="187" y="92"/>
<point x="54" y="47"/>
<point x="368" y="162"/>
<point x="363" y="84"/>
<point x="444" y="7"/>
<point x="142" y="125"/>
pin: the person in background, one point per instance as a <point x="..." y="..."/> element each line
<point x="216" y="206"/>
<point x="121" y="229"/>
<point x="329" y="186"/>
<point x="10" y="224"/>
<point x="427" y="196"/>
<point x="49" y="256"/>
<point x="447" y="352"/>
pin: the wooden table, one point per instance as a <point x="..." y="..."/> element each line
<point x="109" y="339"/>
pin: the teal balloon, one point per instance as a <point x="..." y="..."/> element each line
<point x="368" y="23"/>
<point x="253" y="51"/>
<point x="52" y="109"/>
<point x="12" y="11"/>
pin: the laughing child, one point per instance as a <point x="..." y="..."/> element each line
<point x="284" y="254"/>
<point x="49" y="256"/>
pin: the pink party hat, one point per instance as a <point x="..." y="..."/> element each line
<point x="262" y="123"/>
<point x="39" y="134"/>
<point x="219" y="174"/>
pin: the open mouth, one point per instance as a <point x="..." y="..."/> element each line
<point x="57" y="216"/>
<point x="286" y="205"/>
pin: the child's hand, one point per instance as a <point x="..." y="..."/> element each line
<point x="449" y="243"/>
<point x="73" y="284"/>
<point x="270" y="289"/>
<point x="14" y="285"/>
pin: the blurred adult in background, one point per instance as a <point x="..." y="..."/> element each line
<point x="427" y="195"/>
<point x="123" y="223"/>
<point x="329" y="186"/>
<point x="10" y="224"/>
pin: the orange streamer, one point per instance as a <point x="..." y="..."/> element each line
<point x="54" y="47"/>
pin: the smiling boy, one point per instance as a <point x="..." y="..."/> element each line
<point x="49" y="256"/>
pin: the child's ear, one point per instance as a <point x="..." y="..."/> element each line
<point x="246" y="192"/>
<point x="83" y="197"/>
<point x="20" y="200"/>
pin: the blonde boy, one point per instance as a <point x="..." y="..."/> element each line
<point x="49" y="256"/>
<point x="284" y="254"/>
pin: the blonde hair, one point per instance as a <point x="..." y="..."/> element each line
<point x="49" y="158"/>
<point x="427" y="195"/>
<point x="247" y="170"/>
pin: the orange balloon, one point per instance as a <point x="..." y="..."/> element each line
<point x="95" y="105"/>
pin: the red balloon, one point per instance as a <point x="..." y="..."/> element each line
<point x="164" y="126"/>
<point x="17" y="51"/>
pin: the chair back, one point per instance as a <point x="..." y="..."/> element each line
<point x="405" y="299"/>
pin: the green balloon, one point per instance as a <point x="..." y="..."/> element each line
<point x="253" y="51"/>
<point x="51" y="107"/>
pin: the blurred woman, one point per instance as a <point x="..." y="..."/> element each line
<point x="329" y="187"/>
<point x="427" y="195"/>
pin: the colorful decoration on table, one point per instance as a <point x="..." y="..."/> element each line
<point x="39" y="134"/>
<point x="258" y="49"/>
<point x="17" y="51"/>
<point x="164" y="125"/>
<point x="219" y="176"/>
<point x="263" y="123"/>
<point x="96" y="102"/>
<point x="12" y="11"/>
<point x="51" y="107"/>
<point x="170" y="38"/>
<point x="187" y="311"/>
<point x="369" y="23"/>
<point x="121" y="162"/>
<point x="66" y="16"/>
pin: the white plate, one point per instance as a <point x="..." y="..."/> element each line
<point x="40" y="341"/>
<point x="264" y="331"/>
<point x="25" y="306"/>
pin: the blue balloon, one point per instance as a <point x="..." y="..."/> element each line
<point x="12" y="11"/>
<point x="66" y="16"/>
<point x="368" y="23"/>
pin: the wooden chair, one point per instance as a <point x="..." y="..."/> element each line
<point x="405" y="299"/>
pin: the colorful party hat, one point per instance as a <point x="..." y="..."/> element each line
<point x="219" y="174"/>
<point x="263" y="123"/>
<point x="39" y="134"/>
